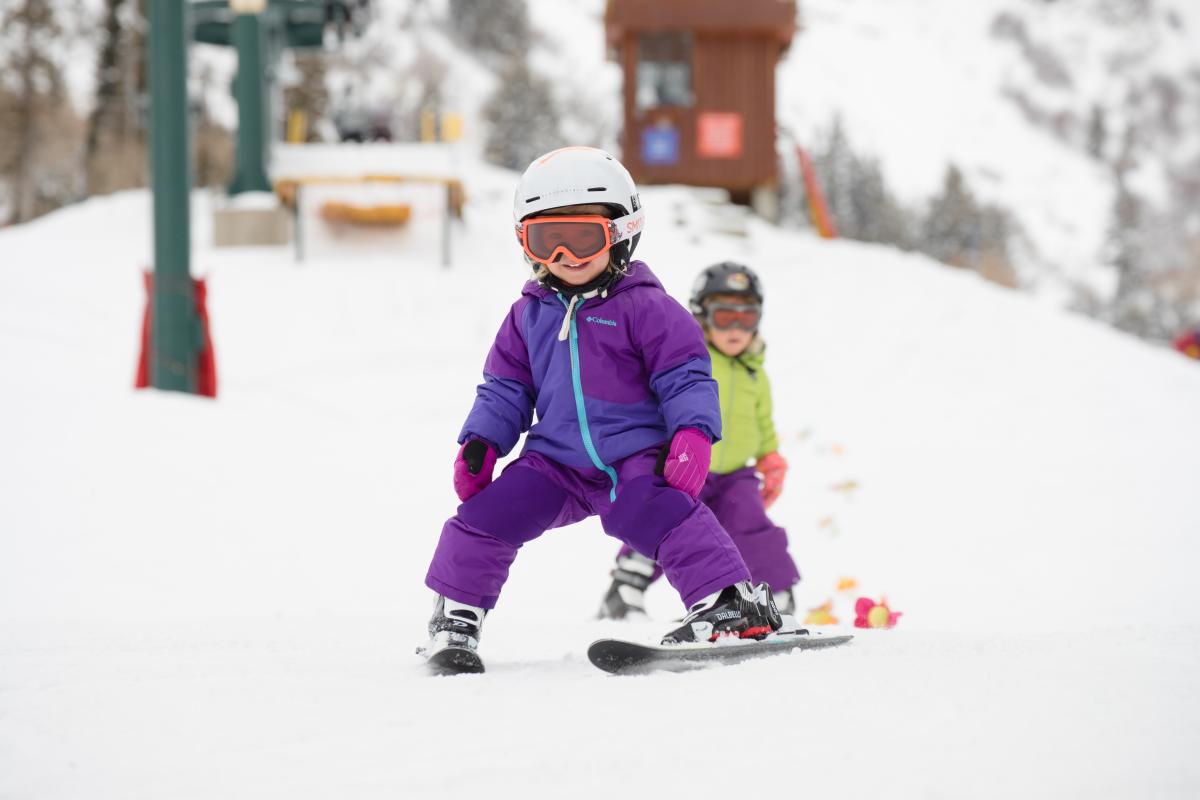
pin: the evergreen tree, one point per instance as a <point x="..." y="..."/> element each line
<point x="955" y="229"/>
<point x="1097" y="135"/>
<point x="1131" y="307"/>
<point x="834" y="165"/>
<point x="521" y="118"/>
<point x="877" y="215"/>
<point x="857" y="195"/>
<point x="960" y="231"/>
<point x="497" y="30"/>
<point x="952" y="231"/>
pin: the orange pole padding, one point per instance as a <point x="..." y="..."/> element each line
<point x="821" y="217"/>
<point x="206" y="362"/>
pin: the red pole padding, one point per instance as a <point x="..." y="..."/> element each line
<point x="1188" y="343"/>
<point x="142" y="380"/>
<point x="206" y="362"/>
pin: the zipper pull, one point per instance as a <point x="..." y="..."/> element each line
<point x="565" y="331"/>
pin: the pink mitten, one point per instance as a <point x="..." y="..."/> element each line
<point x="773" y="468"/>
<point x="473" y="468"/>
<point x="685" y="465"/>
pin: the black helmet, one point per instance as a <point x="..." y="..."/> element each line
<point x="728" y="277"/>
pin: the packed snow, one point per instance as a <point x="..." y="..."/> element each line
<point x="221" y="598"/>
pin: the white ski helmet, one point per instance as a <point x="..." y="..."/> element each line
<point x="572" y="176"/>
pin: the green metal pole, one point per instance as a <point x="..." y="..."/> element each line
<point x="174" y="336"/>
<point x="248" y="87"/>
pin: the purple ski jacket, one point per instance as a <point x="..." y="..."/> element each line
<point x="633" y="370"/>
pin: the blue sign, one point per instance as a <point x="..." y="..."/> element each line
<point x="660" y="145"/>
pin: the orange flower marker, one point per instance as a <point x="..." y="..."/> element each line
<point x="821" y="615"/>
<point x="847" y="584"/>
<point x="874" y="615"/>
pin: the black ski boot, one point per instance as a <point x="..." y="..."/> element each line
<point x="454" y="631"/>
<point x="625" y="598"/>
<point x="740" y="610"/>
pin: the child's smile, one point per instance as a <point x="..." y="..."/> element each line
<point x="570" y="271"/>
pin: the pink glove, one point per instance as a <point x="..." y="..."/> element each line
<point x="773" y="469"/>
<point x="684" y="462"/>
<point x="473" y="468"/>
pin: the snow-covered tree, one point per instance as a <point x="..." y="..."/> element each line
<point x="862" y="206"/>
<point x="961" y="231"/>
<point x="497" y="30"/>
<point x="521" y="117"/>
<point x="1155" y="253"/>
<point x="115" y="147"/>
<point x="1097" y="133"/>
<point x="39" y="132"/>
<point x="309" y="95"/>
<point x="951" y="231"/>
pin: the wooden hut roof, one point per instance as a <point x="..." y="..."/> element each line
<point x="770" y="17"/>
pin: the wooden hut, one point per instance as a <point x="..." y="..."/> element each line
<point x="699" y="96"/>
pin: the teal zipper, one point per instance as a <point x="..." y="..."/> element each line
<point x="580" y="411"/>
<point x="727" y="411"/>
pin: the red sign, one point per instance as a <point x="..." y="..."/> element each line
<point x="719" y="134"/>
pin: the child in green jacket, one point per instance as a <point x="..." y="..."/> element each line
<point x="727" y="301"/>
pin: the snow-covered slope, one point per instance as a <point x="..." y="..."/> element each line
<point x="220" y="599"/>
<point x="1007" y="90"/>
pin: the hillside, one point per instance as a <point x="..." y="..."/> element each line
<point x="220" y="599"/>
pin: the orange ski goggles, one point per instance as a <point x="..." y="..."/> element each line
<point x="581" y="238"/>
<point x="725" y="316"/>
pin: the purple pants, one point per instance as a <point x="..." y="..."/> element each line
<point x="536" y="493"/>
<point x="735" y="500"/>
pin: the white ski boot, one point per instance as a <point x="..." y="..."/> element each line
<point x="454" y="631"/>
<point x="625" y="598"/>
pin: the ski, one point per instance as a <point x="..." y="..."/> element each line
<point x="452" y="660"/>
<point x="622" y="657"/>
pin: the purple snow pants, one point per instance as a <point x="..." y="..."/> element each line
<point x="536" y="493"/>
<point x="735" y="500"/>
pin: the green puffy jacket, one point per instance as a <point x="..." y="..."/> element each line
<point x="748" y="431"/>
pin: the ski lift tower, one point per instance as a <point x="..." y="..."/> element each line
<point x="173" y="339"/>
<point x="176" y="354"/>
<point x="260" y="31"/>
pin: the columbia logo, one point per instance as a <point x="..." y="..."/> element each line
<point x="612" y="323"/>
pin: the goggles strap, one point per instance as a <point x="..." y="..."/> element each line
<point x="628" y="226"/>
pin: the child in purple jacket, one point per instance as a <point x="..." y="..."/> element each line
<point x="619" y="377"/>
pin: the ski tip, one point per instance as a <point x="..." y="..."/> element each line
<point x="610" y="655"/>
<point x="454" y="661"/>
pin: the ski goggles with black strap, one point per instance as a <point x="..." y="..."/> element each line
<point x="581" y="237"/>
<point x="725" y="316"/>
